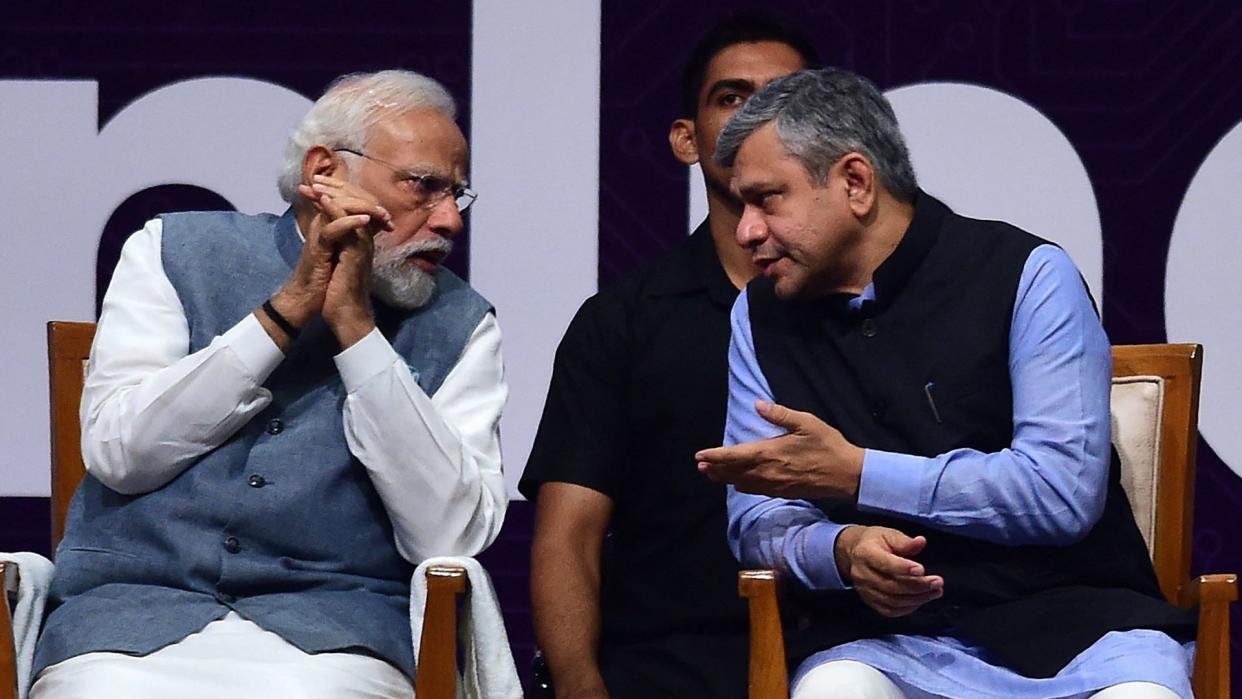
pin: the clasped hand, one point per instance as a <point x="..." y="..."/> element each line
<point x="332" y="277"/>
<point x="811" y="460"/>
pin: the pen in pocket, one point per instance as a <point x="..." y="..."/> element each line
<point x="931" y="401"/>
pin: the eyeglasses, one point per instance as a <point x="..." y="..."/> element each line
<point x="428" y="190"/>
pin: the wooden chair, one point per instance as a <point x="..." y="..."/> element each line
<point x="1155" y="411"/>
<point x="68" y="348"/>
<point x="8" y="655"/>
<point x="436" y="674"/>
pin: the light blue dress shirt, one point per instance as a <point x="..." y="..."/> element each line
<point x="1048" y="487"/>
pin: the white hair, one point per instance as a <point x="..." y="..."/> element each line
<point x="352" y="104"/>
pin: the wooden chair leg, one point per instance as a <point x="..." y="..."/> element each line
<point x="8" y="652"/>
<point x="436" y="674"/>
<point x="1214" y="593"/>
<point x="769" y="677"/>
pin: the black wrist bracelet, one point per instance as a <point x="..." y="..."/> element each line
<point x="289" y="328"/>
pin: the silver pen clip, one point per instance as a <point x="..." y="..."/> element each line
<point x="931" y="401"/>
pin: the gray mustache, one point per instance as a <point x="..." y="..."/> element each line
<point x="441" y="245"/>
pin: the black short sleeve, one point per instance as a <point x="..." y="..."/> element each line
<point x="583" y="428"/>
<point x="639" y="384"/>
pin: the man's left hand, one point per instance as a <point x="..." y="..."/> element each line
<point x="812" y="460"/>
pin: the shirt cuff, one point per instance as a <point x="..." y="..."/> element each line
<point x="364" y="360"/>
<point x="891" y="483"/>
<point x="817" y="554"/>
<point x="253" y="347"/>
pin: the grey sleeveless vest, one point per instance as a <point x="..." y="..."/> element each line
<point x="280" y="523"/>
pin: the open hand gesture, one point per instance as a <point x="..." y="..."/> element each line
<point x="811" y="460"/>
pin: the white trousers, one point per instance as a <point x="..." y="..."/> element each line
<point x="850" y="679"/>
<point x="231" y="657"/>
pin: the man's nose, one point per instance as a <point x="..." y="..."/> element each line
<point x="445" y="219"/>
<point x="751" y="229"/>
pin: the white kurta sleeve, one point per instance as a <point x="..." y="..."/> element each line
<point x="149" y="408"/>
<point x="434" y="461"/>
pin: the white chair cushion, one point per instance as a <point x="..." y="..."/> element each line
<point x="1137" y="403"/>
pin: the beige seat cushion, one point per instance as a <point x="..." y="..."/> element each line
<point x="1137" y="403"/>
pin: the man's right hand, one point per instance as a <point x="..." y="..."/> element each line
<point x="302" y="296"/>
<point x="347" y="302"/>
<point x="875" y="560"/>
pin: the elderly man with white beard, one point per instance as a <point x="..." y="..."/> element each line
<point x="283" y="415"/>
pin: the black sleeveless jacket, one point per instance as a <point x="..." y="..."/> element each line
<point x="945" y="300"/>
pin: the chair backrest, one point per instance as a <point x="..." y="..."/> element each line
<point x="1155" y="414"/>
<point x="68" y="348"/>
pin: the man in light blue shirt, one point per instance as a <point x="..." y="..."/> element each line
<point x="918" y="429"/>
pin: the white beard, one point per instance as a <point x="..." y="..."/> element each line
<point x="399" y="283"/>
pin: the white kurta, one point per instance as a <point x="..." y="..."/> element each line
<point x="149" y="411"/>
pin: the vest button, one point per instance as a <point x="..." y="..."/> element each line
<point x="868" y="327"/>
<point x="256" y="481"/>
<point x="232" y="545"/>
<point x="225" y="598"/>
<point x="275" y="426"/>
<point x="878" y="411"/>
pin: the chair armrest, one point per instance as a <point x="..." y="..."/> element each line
<point x="1213" y="594"/>
<point x="8" y="652"/>
<point x="769" y="677"/>
<point x="436" y="674"/>
<point x="28" y="576"/>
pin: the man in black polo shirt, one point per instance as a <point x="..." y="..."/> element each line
<point x="638" y="385"/>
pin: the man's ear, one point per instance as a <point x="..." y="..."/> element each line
<point x="860" y="183"/>
<point x="321" y="161"/>
<point x="681" y="140"/>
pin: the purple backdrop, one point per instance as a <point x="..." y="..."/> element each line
<point x="1142" y="89"/>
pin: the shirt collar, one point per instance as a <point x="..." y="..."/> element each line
<point x="893" y="273"/>
<point x="695" y="267"/>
